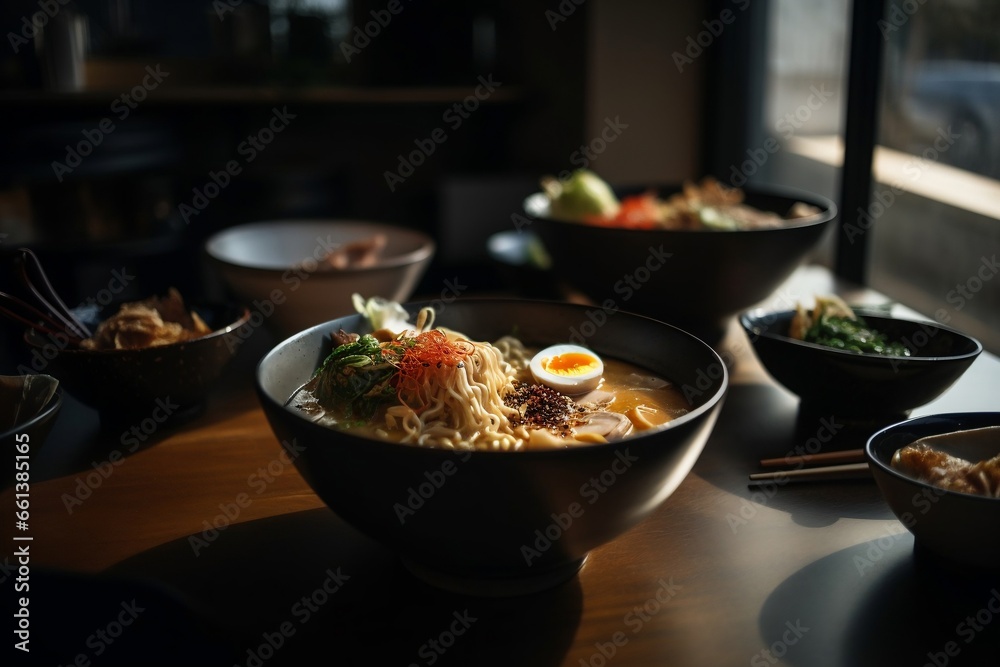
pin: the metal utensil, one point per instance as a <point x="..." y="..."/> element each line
<point x="32" y="272"/>
<point x="24" y="313"/>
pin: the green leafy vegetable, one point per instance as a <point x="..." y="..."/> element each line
<point x="835" y="324"/>
<point x="853" y="334"/>
<point x="356" y="377"/>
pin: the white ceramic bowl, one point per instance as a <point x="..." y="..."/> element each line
<point x="267" y="264"/>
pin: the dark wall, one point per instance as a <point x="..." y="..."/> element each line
<point x="125" y="201"/>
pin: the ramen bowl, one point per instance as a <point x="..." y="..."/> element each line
<point x="851" y="384"/>
<point x="495" y="522"/>
<point x="149" y="385"/>
<point x="274" y="266"/>
<point x="697" y="280"/>
<point x="956" y="528"/>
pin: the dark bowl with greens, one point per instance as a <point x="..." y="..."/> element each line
<point x="892" y="367"/>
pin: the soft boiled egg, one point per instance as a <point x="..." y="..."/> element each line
<point x="569" y="369"/>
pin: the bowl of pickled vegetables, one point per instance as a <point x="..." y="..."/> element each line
<point x="857" y="362"/>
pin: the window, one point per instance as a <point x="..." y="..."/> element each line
<point x="935" y="243"/>
<point x="931" y="229"/>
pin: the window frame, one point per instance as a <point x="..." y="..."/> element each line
<point x="734" y="104"/>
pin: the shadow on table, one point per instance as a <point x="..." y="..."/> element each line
<point x="84" y="620"/>
<point x="81" y="444"/>
<point x="879" y="603"/>
<point x="286" y="589"/>
<point x="760" y="421"/>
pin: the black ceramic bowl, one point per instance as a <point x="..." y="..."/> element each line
<point x="491" y="522"/>
<point x="28" y="433"/>
<point x="957" y="527"/>
<point x="696" y="280"/>
<point x="166" y="381"/>
<point x="847" y="383"/>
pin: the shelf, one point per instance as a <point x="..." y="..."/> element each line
<point x="187" y="81"/>
<point x="346" y="95"/>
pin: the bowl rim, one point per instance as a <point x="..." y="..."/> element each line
<point x="30" y="334"/>
<point x="425" y="251"/>
<point x="748" y="320"/>
<point x="886" y="469"/>
<point x="710" y="404"/>
<point x="533" y="206"/>
<point x="53" y="405"/>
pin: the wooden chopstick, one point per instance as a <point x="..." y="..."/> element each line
<point x="842" y="464"/>
<point x="845" y="456"/>
<point x="817" y="474"/>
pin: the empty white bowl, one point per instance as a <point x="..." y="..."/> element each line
<point x="272" y="266"/>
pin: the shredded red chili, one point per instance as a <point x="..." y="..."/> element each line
<point x="425" y="355"/>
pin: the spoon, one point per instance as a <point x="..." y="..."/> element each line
<point x="973" y="445"/>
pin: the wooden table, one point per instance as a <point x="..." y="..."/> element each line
<point x="205" y="546"/>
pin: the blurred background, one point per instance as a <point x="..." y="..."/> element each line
<point x="132" y="131"/>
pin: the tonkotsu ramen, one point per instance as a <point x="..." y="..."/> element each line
<point x="435" y="387"/>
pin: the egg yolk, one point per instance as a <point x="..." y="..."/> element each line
<point x="570" y="363"/>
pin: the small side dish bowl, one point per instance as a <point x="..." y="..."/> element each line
<point x="853" y="384"/>
<point x="960" y="528"/>
<point x="695" y="279"/>
<point x="161" y="382"/>
<point x="494" y="522"/>
<point x="29" y="405"/>
<point x="522" y="264"/>
<point x="273" y="266"/>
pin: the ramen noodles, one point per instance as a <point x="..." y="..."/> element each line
<point x="435" y="387"/>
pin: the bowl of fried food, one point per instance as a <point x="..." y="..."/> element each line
<point x="692" y="255"/>
<point x="854" y="362"/>
<point x="940" y="475"/>
<point x="484" y="442"/>
<point x="156" y="357"/>
<point x="297" y="273"/>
